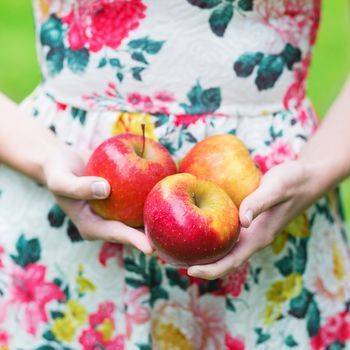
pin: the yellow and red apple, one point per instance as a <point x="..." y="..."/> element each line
<point x="132" y="164"/>
<point x="225" y="160"/>
<point x="190" y="221"/>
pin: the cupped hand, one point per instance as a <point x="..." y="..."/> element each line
<point x="285" y="191"/>
<point x="64" y="174"/>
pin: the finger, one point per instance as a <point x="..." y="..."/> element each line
<point x="242" y="251"/>
<point x="69" y="185"/>
<point x="270" y="192"/>
<point x="93" y="227"/>
<point x="114" y="231"/>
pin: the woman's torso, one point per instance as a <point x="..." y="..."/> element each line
<point x="240" y="57"/>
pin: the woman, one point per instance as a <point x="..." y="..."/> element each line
<point x="187" y="69"/>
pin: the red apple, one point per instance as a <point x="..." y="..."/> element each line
<point x="225" y="160"/>
<point x="132" y="164"/>
<point x="190" y="221"/>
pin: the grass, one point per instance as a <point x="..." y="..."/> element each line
<point x="19" y="71"/>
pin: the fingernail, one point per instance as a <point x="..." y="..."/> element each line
<point x="249" y="216"/>
<point x="99" y="189"/>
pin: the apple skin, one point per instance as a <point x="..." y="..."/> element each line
<point x="190" y="221"/>
<point x="131" y="177"/>
<point x="225" y="160"/>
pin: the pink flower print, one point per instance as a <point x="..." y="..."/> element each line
<point x="281" y="151"/>
<point x="164" y="96"/>
<point x="103" y="23"/>
<point x="234" y="281"/>
<point x="135" y="99"/>
<point x="104" y="311"/>
<point x="111" y="250"/>
<point x="2" y="251"/>
<point x="233" y="343"/>
<point x="31" y="292"/>
<point x="136" y="313"/>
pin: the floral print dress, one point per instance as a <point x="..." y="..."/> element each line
<point x="188" y="69"/>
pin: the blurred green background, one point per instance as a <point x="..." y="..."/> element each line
<point x="19" y="71"/>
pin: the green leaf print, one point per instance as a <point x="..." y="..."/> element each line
<point x="51" y="32"/>
<point x="73" y="232"/>
<point x="229" y="304"/>
<point x="245" y="5"/>
<point x="45" y="347"/>
<point x="150" y="46"/>
<point x="48" y="335"/>
<point x="28" y="251"/>
<point x="158" y="293"/>
<point x="120" y="76"/>
<point x="262" y="337"/>
<point x="270" y="69"/>
<point x="336" y="346"/>
<point x="220" y="18"/>
<point x="202" y="101"/>
<point x="299" y="306"/>
<point x="136" y="72"/>
<point x="291" y="55"/>
<point x="144" y="347"/>
<point x="153" y="47"/>
<point x="134" y="283"/>
<point x="139" y="57"/>
<point x="290" y="341"/>
<point x="55" y="58"/>
<point x="56" y="314"/>
<point x="175" y="278"/>
<point x="155" y="274"/>
<point x="102" y="63"/>
<point x="56" y="216"/>
<point x="313" y="319"/>
<point x="79" y="113"/>
<point x="77" y="60"/>
<point x="205" y="4"/>
<point x="115" y="62"/>
<point x="246" y="63"/>
<point x="285" y="265"/>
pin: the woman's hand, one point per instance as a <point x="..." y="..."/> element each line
<point x="285" y="191"/>
<point x="63" y="171"/>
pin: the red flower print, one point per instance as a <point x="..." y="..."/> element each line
<point x="30" y="291"/>
<point x="188" y="119"/>
<point x="4" y="339"/>
<point x="336" y="329"/>
<point x="95" y="338"/>
<point x="234" y="281"/>
<point x="103" y="23"/>
<point x="90" y="339"/>
<point x="233" y="343"/>
<point x="281" y="151"/>
<point x="104" y="311"/>
<point x="111" y="250"/>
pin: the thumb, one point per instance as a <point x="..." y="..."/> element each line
<point x="267" y="195"/>
<point x="79" y="187"/>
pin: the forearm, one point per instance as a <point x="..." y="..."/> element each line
<point x="327" y="153"/>
<point x="24" y="142"/>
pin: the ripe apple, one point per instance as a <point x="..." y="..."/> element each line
<point x="190" y="221"/>
<point x="132" y="164"/>
<point x="225" y="160"/>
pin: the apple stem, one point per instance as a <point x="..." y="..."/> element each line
<point x="143" y="139"/>
<point x="194" y="199"/>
